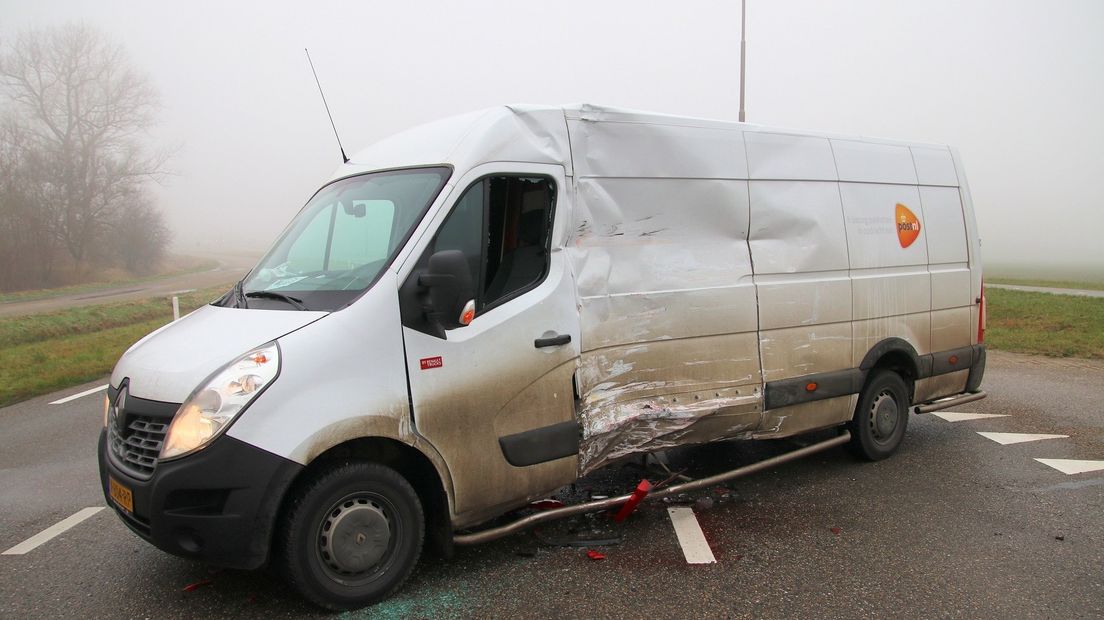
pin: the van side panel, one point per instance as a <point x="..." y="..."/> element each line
<point x="801" y="271"/>
<point x="666" y="300"/>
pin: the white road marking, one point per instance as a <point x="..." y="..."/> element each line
<point x="52" y="531"/>
<point x="1005" y="439"/>
<point x="690" y="536"/>
<point x="951" y="416"/>
<point x="1073" y="466"/>
<point x="81" y="395"/>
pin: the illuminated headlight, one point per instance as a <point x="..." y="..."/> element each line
<point x="212" y="407"/>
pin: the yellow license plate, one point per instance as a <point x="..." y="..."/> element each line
<point x="120" y="495"/>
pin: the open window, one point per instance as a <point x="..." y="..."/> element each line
<point x="503" y="226"/>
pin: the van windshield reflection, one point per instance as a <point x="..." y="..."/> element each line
<point x="340" y="242"/>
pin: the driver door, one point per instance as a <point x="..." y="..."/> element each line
<point x="496" y="397"/>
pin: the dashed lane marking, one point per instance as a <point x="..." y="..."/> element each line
<point x="1005" y="439"/>
<point x="952" y="416"/>
<point x="694" y="546"/>
<point x="62" y="401"/>
<point x="1073" y="466"/>
<point x="52" y="531"/>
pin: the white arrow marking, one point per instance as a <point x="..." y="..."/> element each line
<point x="1009" y="438"/>
<point x="951" y="416"/>
<point x="694" y="546"/>
<point x="1072" y="466"/>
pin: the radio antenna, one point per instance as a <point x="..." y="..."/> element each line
<point x="344" y="158"/>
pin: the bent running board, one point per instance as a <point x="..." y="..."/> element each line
<point x="602" y="504"/>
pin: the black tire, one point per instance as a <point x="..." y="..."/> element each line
<point x="351" y="536"/>
<point x="881" y="416"/>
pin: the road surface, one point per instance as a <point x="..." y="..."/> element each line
<point x="1047" y="289"/>
<point x="231" y="267"/>
<point x="954" y="525"/>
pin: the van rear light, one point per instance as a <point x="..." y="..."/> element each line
<point x="981" y="314"/>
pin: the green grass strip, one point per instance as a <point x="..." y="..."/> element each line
<point x="1045" y="324"/>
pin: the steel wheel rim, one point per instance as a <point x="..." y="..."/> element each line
<point x="356" y="538"/>
<point x="884" y="416"/>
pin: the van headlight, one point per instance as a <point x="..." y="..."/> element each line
<point x="214" y="405"/>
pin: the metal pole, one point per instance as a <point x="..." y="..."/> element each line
<point x="602" y="504"/>
<point x="743" y="49"/>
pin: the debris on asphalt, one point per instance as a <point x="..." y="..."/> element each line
<point x="703" y="503"/>
<point x="1059" y="538"/>
<point x="192" y="587"/>
<point x="835" y="530"/>
<point x="594" y="555"/>
<point x="638" y="496"/>
<point x="547" y="504"/>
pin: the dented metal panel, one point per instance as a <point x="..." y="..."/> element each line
<point x="873" y="162"/>
<point x="789" y="156"/>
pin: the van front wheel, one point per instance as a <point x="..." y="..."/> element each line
<point x="352" y="536"/>
<point x="881" y="417"/>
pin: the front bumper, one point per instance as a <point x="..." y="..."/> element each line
<point x="218" y="505"/>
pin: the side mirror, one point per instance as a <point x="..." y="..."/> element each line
<point x="449" y="281"/>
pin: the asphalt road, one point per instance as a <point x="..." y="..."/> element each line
<point x="1048" y="289"/>
<point x="231" y="267"/>
<point x="954" y="525"/>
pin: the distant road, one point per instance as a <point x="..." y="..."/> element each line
<point x="1046" y="289"/>
<point x="230" y="269"/>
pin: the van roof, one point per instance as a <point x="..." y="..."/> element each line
<point x="531" y="133"/>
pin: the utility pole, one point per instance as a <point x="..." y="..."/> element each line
<point x="743" y="49"/>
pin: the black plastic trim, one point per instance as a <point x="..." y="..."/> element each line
<point x="977" y="369"/>
<point x="541" y="445"/>
<point x="218" y="505"/>
<point x="891" y="345"/>
<point x="954" y="360"/>
<point x="786" y="392"/>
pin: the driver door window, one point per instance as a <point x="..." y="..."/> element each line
<point x="503" y="226"/>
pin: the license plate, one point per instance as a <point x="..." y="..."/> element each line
<point x="120" y="495"/>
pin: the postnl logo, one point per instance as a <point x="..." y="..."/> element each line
<point x="908" y="226"/>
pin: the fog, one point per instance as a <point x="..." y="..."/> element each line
<point x="1018" y="87"/>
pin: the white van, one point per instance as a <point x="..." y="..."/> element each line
<point x="476" y="312"/>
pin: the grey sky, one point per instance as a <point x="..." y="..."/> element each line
<point x="1018" y="87"/>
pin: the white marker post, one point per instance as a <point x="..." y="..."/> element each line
<point x="176" y="308"/>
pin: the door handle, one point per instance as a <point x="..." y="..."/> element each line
<point x="552" y="341"/>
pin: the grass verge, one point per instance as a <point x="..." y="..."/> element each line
<point x="1087" y="286"/>
<point x="182" y="265"/>
<point x="46" y="352"/>
<point x="1045" y="324"/>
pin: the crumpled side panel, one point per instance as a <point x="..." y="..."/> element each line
<point x="655" y="395"/>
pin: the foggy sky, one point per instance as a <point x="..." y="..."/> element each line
<point x="1018" y="87"/>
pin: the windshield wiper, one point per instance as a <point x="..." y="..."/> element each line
<point x="295" y="301"/>
<point x="238" y="297"/>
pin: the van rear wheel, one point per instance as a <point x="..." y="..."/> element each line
<point x="881" y="417"/>
<point x="352" y="536"/>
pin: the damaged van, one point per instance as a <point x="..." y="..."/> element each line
<point x="478" y="311"/>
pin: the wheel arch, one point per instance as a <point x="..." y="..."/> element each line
<point x="898" y="355"/>
<point x="411" y="463"/>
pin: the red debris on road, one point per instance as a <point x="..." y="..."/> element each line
<point x="638" y="496"/>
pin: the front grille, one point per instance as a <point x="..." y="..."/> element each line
<point x="136" y="448"/>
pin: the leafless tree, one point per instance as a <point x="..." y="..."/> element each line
<point x="74" y="132"/>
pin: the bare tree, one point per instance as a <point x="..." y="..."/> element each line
<point x="79" y="110"/>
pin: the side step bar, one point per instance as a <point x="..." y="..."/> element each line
<point x="602" y="504"/>
<point x="947" y="403"/>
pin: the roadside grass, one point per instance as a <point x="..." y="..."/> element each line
<point x="182" y="265"/>
<point x="1045" y="324"/>
<point x="46" y="352"/>
<point x="1088" y="286"/>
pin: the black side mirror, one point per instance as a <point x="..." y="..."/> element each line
<point x="449" y="281"/>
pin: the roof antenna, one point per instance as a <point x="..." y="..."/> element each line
<point x="343" y="157"/>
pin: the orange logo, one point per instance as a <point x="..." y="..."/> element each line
<point x="908" y="227"/>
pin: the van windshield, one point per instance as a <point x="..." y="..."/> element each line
<point x="340" y="242"/>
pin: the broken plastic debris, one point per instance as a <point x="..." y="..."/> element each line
<point x="547" y="504"/>
<point x="638" y="496"/>
<point x="835" y="530"/>
<point x="192" y="587"/>
<point x="594" y="555"/>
